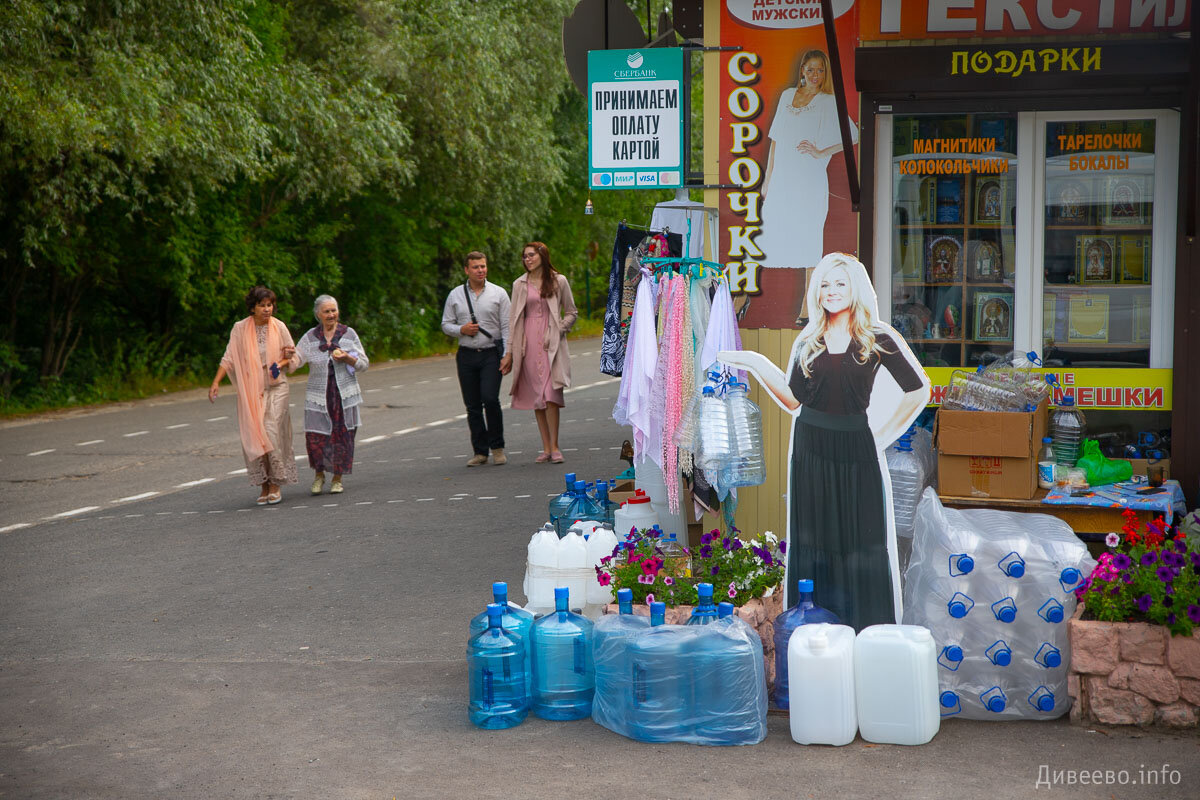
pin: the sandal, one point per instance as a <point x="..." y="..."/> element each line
<point x="262" y="499"/>
<point x="274" y="497"/>
<point x="556" y="457"/>
<point x="542" y="458"/>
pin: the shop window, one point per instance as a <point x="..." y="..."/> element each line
<point x="1097" y="258"/>
<point x="954" y="258"/>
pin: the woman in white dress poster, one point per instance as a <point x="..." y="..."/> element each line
<point x="804" y="135"/>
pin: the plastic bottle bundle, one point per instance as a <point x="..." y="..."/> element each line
<point x="496" y="673"/>
<point x="614" y="670"/>
<point x="515" y="620"/>
<point x="687" y="432"/>
<point x="601" y="542"/>
<point x="996" y="589"/>
<point x="909" y="480"/>
<point x="564" y="679"/>
<point x="805" y="612"/>
<point x="746" y="466"/>
<point x="922" y="445"/>
<point x="974" y="391"/>
<point x="1016" y="370"/>
<point x="571" y="562"/>
<point x="1067" y="431"/>
<point x="697" y="684"/>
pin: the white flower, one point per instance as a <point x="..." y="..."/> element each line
<point x="1112" y="540"/>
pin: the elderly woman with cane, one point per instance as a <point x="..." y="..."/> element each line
<point x="333" y="398"/>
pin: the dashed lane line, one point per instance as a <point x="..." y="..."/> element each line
<point x="135" y="433"/>
<point x="85" y="444"/>
<point x="177" y="427"/>
<point x="133" y="497"/>
<point x="218" y="419"/>
<point x="189" y="484"/>
<point x="73" y="512"/>
<point x="15" y="526"/>
<point x="42" y="452"/>
<point x="373" y="439"/>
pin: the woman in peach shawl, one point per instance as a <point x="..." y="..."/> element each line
<point x="259" y="356"/>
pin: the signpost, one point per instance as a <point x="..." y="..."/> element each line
<point x="636" y="105"/>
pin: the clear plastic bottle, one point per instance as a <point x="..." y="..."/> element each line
<point x="1045" y="464"/>
<point x="746" y="464"/>
<point x="608" y="508"/>
<point x="564" y="679"/>
<point x="705" y="611"/>
<point x="581" y="507"/>
<point x="661" y="705"/>
<point x="1067" y="429"/>
<point x="496" y="672"/>
<point x="516" y="620"/>
<point x="715" y="443"/>
<point x="908" y="481"/>
<point x="805" y="612"/>
<point x="560" y="502"/>
<point x="676" y="561"/>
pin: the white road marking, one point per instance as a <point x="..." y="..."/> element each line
<point x="397" y="386"/>
<point x="590" y="419"/>
<point x="433" y="458"/>
<point x="296" y="507"/>
<point x="85" y="444"/>
<point x="301" y="458"/>
<point x="521" y="496"/>
<point x="329" y="505"/>
<point x="452" y="499"/>
<point x="127" y="516"/>
<point x="572" y="420"/>
<point x="135" y="433"/>
<point x="189" y="512"/>
<point x="241" y="471"/>
<point x="370" y="391"/>
<point x="110" y="516"/>
<point x="444" y="379"/>
<point x="240" y="510"/>
<point x="570" y="449"/>
<point x="73" y="512"/>
<point x="515" y="452"/>
<point x="189" y="484"/>
<point x="421" y="382"/>
<point x="614" y="448"/>
<point x="163" y="513"/>
<point x="218" y="511"/>
<point x="593" y="448"/>
<point x="485" y="497"/>
<point x="424" y="499"/>
<point x="404" y="431"/>
<point x="133" y="497"/>
<point x="364" y="502"/>
<point x="373" y="439"/>
<point x="218" y="419"/>
<point x="394" y="501"/>
<point x="408" y="459"/>
<point x="180" y="425"/>
<point x="15" y="527"/>
<point x="437" y="422"/>
<point x="461" y="416"/>
<point x="42" y="452"/>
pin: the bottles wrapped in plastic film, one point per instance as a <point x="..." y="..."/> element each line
<point x="702" y="684"/>
<point x="1008" y="383"/>
<point x="996" y="589"/>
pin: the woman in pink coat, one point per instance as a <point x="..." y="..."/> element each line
<point x="542" y="313"/>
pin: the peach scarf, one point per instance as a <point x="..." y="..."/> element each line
<point x="243" y="353"/>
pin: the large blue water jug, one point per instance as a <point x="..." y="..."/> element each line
<point x="560" y="502"/>
<point x="607" y="507"/>
<point x="661" y="698"/>
<point x="805" y="612"/>
<point x="563" y="677"/>
<point x="614" y="670"/>
<point x="516" y="620"/>
<point x="581" y="507"/>
<point x="729" y="689"/>
<point x="705" y="611"/>
<point x="496" y="670"/>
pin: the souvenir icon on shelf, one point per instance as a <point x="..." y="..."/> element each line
<point x="1124" y="201"/>
<point x="1095" y="258"/>
<point x="990" y="201"/>
<point x="993" y="316"/>
<point x="949" y="200"/>
<point x="1067" y="202"/>
<point x="943" y="259"/>
<point x="1134" y="252"/>
<point x="1087" y="318"/>
<point x="986" y="262"/>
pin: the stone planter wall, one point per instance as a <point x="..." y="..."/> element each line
<point x="1133" y="673"/>
<point x="757" y="613"/>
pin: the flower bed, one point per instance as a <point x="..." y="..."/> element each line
<point x="1135" y="645"/>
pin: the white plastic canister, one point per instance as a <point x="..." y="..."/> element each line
<point x="573" y="567"/>
<point x="821" y="696"/>
<point x="895" y="684"/>
<point x="600" y="544"/>
<point x="636" y="512"/>
<point x="540" y="566"/>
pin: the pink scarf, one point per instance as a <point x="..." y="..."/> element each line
<point x="243" y="352"/>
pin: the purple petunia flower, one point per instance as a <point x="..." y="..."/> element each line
<point x="649" y="598"/>
<point x="1112" y="540"/>
<point x="1148" y="558"/>
<point x="1169" y="557"/>
<point x="706" y="551"/>
<point x="1168" y="602"/>
<point x="1180" y="545"/>
<point x="1193" y="613"/>
<point x="714" y="571"/>
<point x="725" y="543"/>
<point x="706" y="538"/>
<point x="1121" y="561"/>
<point x="1165" y="574"/>
<point x="1127" y="577"/>
<point x="737" y="545"/>
<point x="783" y="548"/>
<point x="1144" y="602"/>
<point x="1195" y="559"/>
<point x="1171" y="618"/>
<point x="1116" y="590"/>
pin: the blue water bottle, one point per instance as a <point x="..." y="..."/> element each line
<point x="496" y="672"/>
<point x="559" y="504"/>
<point x="614" y="680"/>
<point x="729" y="702"/>
<point x="705" y="611"/>
<point x="516" y="620"/>
<point x="563" y="678"/>
<point x="805" y="612"/>
<point x="661" y="707"/>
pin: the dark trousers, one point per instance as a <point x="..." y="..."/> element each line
<point x="479" y="378"/>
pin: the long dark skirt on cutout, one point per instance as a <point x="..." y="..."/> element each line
<point x="837" y="532"/>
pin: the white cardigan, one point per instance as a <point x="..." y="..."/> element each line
<point x="316" y="415"/>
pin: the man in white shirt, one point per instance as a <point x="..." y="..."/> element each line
<point x="476" y="314"/>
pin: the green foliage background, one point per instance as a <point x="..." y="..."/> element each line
<point x="158" y="158"/>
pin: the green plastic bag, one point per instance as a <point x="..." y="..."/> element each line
<point x="1100" y="470"/>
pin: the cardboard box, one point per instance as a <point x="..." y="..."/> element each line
<point x="989" y="453"/>
<point x="1140" y="464"/>
<point x="621" y="492"/>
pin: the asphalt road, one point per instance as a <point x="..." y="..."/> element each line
<point x="163" y="637"/>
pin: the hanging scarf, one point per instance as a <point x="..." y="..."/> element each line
<point x="635" y="399"/>
<point x="678" y="328"/>
<point x="251" y="381"/>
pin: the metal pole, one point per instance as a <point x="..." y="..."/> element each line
<point x="839" y="94"/>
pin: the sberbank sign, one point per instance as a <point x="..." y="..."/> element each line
<point x="635" y="118"/>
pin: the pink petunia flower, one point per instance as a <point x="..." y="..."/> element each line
<point x="649" y="598"/>
<point x="603" y="579"/>
<point x="732" y="592"/>
<point x="669" y="581"/>
<point x="1112" y="540"/>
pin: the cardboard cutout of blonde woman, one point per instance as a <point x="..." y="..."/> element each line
<point x="852" y="387"/>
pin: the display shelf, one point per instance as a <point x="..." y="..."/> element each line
<point x="1066" y="288"/>
<point x="1098" y="345"/>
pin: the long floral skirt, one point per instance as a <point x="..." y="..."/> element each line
<point x="279" y="465"/>
<point x="333" y="451"/>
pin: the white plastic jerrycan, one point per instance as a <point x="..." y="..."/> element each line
<point x="573" y="567"/>
<point x="636" y="512"/>
<point x="895" y="684"/>
<point x="540" y="567"/>
<point x="600" y="545"/>
<point x="822" y="702"/>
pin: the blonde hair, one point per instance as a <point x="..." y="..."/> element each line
<point x="809" y="55"/>
<point x="864" y="311"/>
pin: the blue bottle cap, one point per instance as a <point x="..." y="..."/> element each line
<point x="1046" y="440"/>
<point x="625" y="595"/>
<point x="958" y="609"/>
<point x="495" y="613"/>
<point x="580" y="486"/>
<point x="1045" y="702"/>
<point x="1053" y="658"/>
<point x="965" y="564"/>
<point x="499" y="587"/>
<point x="670" y="537"/>
<point x="707" y="391"/>
<point x="570" y="478"/>
<point x="1067" y="401"/>
<point x="561" y="593"/>
<point x="1006" y="614"/>
<point x="1069" y="576"/>
<point x="1002" y="657"/>
<point x="804" y="585"/>
<point x="954" y="652"/>
<point x="995" y="704"/>
<point x="948" y="699"/>
<point x="705" y="590"/>
<point x="1054" y="615"/>
<point x="1016" y="569"/>
<point x="724" y="610"/>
